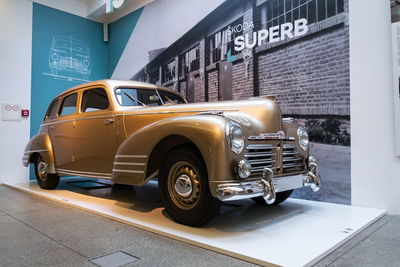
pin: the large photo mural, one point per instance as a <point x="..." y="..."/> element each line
<point x="216" y="50"/>
<point x="297" y="50"/>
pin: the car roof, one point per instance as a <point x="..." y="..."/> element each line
<point x="118" y="83"/>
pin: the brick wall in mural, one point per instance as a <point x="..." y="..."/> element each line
<point x="309" y="73"/>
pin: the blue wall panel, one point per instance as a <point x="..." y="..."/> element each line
<point x="67" y="50"/>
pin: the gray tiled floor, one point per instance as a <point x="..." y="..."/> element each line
<point x="39" y="232"/>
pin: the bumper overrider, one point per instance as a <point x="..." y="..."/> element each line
<point x="268" y="186"/>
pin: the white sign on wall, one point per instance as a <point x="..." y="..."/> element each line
<point x="111" y="4"/>
<point x="10" y="112"/>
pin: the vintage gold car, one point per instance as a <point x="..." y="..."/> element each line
<point x="201" y="153"/>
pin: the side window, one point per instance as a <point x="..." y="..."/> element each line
<point x="52" y="110"/>
<point x="68" y="105"/>
<point x="94" y="100"/>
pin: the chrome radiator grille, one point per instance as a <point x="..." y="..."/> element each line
<point x="281" y="158"/>
<point x="261" y="156"/>
<point x="291" y="159"/>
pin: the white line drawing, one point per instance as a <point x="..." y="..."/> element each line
<point x="69" y="59"/>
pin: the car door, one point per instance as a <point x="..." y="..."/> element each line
<point x="95" y="134"/>
<point x="62" y="133"/>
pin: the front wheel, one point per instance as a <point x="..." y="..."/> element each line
<point x="184" y="188"/>
<point x="45" y="180"/>
<point x="280" y="197"/>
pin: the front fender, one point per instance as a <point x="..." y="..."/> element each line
<point x="40" y="144"/>
<point x="206" y="132"/>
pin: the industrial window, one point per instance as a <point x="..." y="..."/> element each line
<point x="169" y="71"/>
<point x="222" y="41"/>
<point x="68" y="106"/>
<point x="190" y="60"/>
<point x="276" y="12"/>
<point x="94" y="100"/>
<point x="155" y="76"/>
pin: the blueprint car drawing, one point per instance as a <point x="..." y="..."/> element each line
<point x="69" y="59"/>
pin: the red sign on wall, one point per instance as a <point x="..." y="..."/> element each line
<point x="25" y="112"/>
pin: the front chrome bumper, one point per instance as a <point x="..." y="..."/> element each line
<point x="268" y="186"/>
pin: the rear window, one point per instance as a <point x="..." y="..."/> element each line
<point x="69" y="105"/>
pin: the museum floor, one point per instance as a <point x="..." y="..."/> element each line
<point x="39" y="232"/>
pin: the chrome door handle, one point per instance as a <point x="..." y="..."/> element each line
<point x="108" y="121"/>
<point x="52" y="127"/>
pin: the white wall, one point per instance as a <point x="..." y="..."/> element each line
<point x="375" y="168"/>
<point x="75" y="7"/>
<point x="15" y="77"/>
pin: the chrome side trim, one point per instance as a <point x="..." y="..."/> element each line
<point x="84" y="173"/>
<point x="129" y="163"/>
<point x="130" y="114"/>
<point x="38" y="150"/>
<point x="131" y="156"/>
<point x="79" y="119"/>
<point x="178" y="112"/>
<point x="56" y="122"/>
<point x="128" y="171"/>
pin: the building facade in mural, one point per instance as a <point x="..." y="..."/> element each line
<point x="309" y="73"/>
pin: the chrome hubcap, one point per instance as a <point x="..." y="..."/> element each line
<point x="183" y="185"/>
<point x="42" y="168"/>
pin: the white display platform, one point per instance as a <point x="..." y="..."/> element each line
<point x="295" y="233"/>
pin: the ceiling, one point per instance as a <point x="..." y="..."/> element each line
<point x="94" y="9"/>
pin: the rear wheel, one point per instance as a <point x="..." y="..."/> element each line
<point x="280" y="197"/>
<point x="45" y="180"/>
<point x="184" y="188"/>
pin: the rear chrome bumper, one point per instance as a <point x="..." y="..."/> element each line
<point x="268" y="186"/>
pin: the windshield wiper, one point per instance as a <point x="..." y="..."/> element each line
<point x="169" y="100"/>
<point x="134" y="99"/>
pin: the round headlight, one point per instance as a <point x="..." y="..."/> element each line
<point x="303" y="138"/>
<point x="54" y="56"/>
<point x="235" y="136"/>
<point x="244" y="169"/>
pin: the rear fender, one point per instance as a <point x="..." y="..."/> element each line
<point x="40" y="144"/>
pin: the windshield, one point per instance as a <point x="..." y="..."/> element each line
<point x="146" y="97"/>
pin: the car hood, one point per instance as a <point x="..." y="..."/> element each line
<point x="260" y="115"/>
